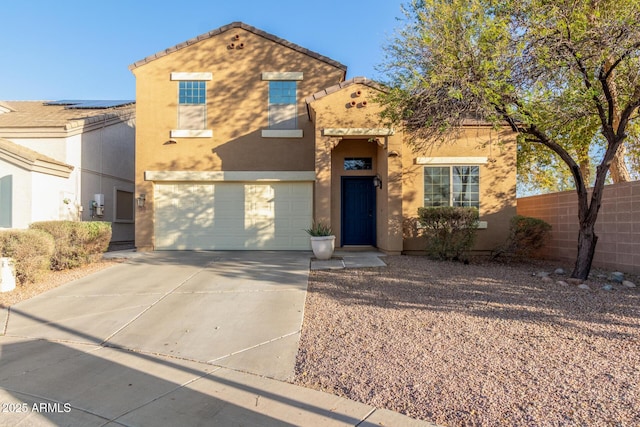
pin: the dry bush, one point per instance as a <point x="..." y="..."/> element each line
<point x="76" y="243"/>
<point x="31" y="251"/>
<point x="450" y="231"/>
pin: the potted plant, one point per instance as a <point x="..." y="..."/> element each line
<point x="322" y="240"/>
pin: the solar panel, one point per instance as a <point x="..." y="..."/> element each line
<point x="91" y="104"/>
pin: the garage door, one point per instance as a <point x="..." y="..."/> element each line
<point x="233" y="215"/>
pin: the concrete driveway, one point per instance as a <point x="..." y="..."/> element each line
<point x="169" y="338"/>
<point x="241" y="310"/>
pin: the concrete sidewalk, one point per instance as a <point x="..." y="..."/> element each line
<point x="191" y="338"/>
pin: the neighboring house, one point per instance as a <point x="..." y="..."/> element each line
<point x="243" y="139"/>
<point x="68" y="160"/>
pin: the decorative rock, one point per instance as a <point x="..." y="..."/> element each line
<point x="602" y="276"/>
<point x="607" y="288"/>
<point x="562" y="283"/>
<point x="559" y="271"/>
<point x="617" y="277"/>
<point x="583" y="286"/>
<point x="573" y="281"/>
<point x="542" y="274"/>
<point x="547" y="279"/>
<point x="628" y="284"/>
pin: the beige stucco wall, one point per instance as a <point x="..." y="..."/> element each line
<point x="497" y="183"/>
<point x="237" y="101"/>
<point x="352" y="109"/>
<point x="403" y="180"/>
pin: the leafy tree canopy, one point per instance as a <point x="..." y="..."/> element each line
<point x="563" y="74"/>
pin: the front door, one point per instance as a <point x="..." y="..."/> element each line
<point x="358" y="211"/>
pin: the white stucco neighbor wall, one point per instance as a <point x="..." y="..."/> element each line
<point x="47" y="198"/>
<point x="16" y="200"/>
<point x="108" y="160"/>
<point x="103" y="160"/>
<point x="66" y="150"/>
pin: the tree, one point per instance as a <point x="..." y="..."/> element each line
<point x="556" y="72"/>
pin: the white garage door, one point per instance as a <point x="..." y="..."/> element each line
<point x="233" y="215"/>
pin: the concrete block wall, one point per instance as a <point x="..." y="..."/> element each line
<point x="617" y="227"/>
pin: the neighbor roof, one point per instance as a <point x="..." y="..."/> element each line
<point x="246" y="27"/>
<point x="36" y="114"/>
<point x="32" y="160"/>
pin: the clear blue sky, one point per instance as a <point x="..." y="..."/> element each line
<point x="71" y="49"/>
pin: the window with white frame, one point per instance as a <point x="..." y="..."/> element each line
<point x="283" y="104"/>
<point x="283" y="107"/>
<point x="192" y="104"/>
<point x="455" y="185"/>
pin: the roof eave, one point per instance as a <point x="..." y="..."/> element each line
<point x="246" y="27"/>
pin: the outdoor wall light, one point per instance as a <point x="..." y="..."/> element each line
<point x="377" y="181"/>
<point x="141" y="199"/>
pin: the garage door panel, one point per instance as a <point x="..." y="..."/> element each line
<point x="233" y="215"/>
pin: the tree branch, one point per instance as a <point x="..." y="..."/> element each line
<point x="622" y="58"/>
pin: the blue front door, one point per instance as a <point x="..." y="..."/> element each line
<point x="358" y="211"/>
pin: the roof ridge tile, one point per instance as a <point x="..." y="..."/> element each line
<point x="237" y="24"/>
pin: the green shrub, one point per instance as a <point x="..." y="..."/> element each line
<point x="31" y="251"/>
<point x="76" y="243"/>
<point x="97" y="238"/>
<point x="450" y="231"/>
<point x="526" y="236"/>
<point x="319" y="229"/>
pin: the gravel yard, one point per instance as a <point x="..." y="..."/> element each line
<point x="483" y="344"/>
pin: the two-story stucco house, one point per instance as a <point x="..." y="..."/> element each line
<point x="243" y="139"/>
<point x="68" y="160"/>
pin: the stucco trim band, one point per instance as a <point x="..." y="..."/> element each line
<point x="229" y="176"/>
<point x="282" y="133"/>
<point x="191" y="133"/>
<point x="451" y="160"/>
<point x="482" y="225"/>
<point x="191" y="76"/>
<point x="288" y="76"/>
<point x="357" y="132"/>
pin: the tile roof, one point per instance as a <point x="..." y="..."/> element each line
<point x="35" y="114"/>
<point x="342" y="85"/>
<point x="32" y="160"/>
<point x="246" y="27"/>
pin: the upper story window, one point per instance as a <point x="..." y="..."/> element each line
<point x="192" y="92"/>
<point x="283" y="105"/>
<point x="452" y="186"/>
<point x="283" y="108"/>
<point x="192" y="105"/>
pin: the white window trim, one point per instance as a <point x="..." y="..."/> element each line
<point x="283" y="76"/>
<point x="451" y="166"/>
<point x="191" y="133"/>
<point x="282" y="133"/>
<point x="291" y="75"/>
<point x="357" y="132"/>
<point x="482" y="225"/>
<point x="451" y="161"/>
<point x="191" y="76"/>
